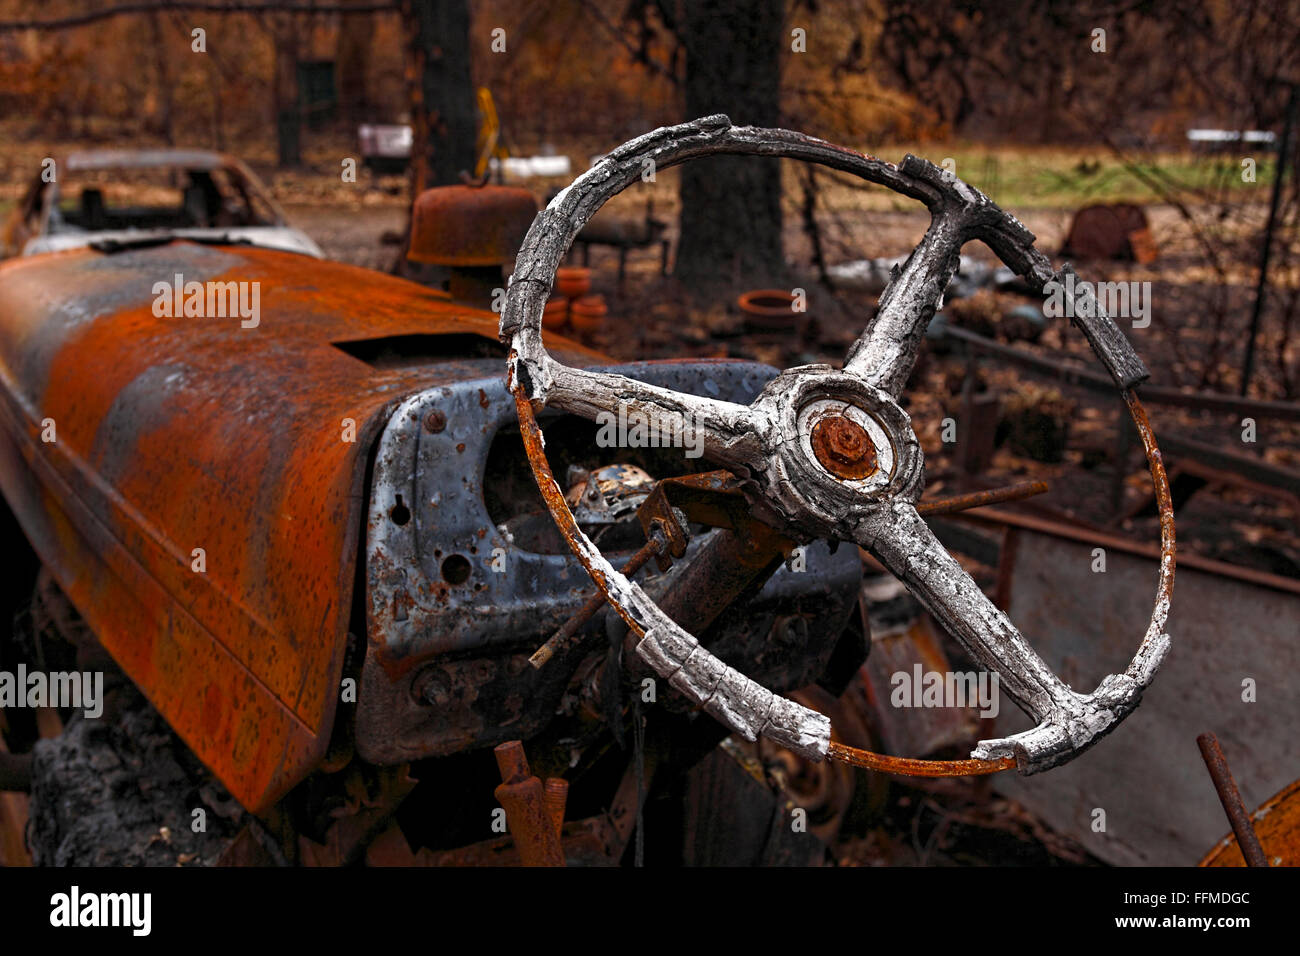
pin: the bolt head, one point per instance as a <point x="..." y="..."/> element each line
<point x="843" y="447"/>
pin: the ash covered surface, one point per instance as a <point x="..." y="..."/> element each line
<point x="124" y="793"/>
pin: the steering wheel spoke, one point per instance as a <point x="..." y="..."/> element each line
<point x="723" y="432"/>
<point x="1068" y="722"/>
<point x="885" y="353"/>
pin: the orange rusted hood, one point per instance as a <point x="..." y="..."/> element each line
<point x="177" y="434"/>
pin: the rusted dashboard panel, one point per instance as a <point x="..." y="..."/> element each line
<point x="461" y="588"/>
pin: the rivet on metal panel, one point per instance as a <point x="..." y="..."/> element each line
<point x="435" y="421"/>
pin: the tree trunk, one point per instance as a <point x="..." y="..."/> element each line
<point x="731" y="205"/>
<point x="288" y="114"/>
<point x="352" y="65"/>
<point x="444" y="112"/>
<point x="163" y="120"/>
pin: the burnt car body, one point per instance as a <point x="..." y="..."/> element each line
<point x="107" y="197"/>
<point x="315" y="544"/>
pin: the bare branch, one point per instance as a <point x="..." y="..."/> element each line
<point x="201" y="6"/>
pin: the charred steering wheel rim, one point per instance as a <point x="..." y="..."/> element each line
<point x="831" y="453"/>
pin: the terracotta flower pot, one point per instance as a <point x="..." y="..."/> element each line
<point x="588" y="314"/>
<point x="573" y="281"/>
<point x="769" y="310"/>
<point x="555" y="315"/>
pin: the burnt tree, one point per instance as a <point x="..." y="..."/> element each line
<point x="284" y="90"/>
<point x="352" y="66"/>
<point x="731" y="205"/>
<point x="443" y="111"/>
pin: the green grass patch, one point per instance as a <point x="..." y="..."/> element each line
<point x="1032" y="177"/>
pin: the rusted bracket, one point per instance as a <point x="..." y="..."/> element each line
<point x="716" y="499"/>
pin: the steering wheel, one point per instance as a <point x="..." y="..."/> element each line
<point x="829" y="453"/>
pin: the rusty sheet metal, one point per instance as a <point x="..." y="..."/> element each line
<point x="1149" y="777"/>
<point x="1277" y="824"/>
<point x="182" y="433"/>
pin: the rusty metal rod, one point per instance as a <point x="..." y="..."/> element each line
<point x="1230" y="797"/>
<point x="566" y="637"/>
<point x="512" y="761"/>
<point x="977" y="499"/>
<point x="1100" y="382"/>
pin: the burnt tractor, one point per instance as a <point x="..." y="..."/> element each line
<point x="356" y="593"/>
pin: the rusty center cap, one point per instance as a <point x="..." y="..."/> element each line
<point x="843" y="447"/>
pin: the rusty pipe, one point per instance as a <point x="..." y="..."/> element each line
<point x="566" y="636"/>
<point x="522" y="796"/>
<point x="1230" y="797"/>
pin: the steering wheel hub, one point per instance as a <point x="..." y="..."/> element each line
<point x="843" y="447"/>
<point x="837" y="448"/>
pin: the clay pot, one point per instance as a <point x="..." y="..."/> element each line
<point x="769" y="311"/>
<point x="588" y="314"/>
<point x="573" y="281"/>
<point x="555" y="315"/>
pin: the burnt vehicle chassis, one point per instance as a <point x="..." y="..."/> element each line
<point x="365" y="646"/>
<point x="448" y="576"/>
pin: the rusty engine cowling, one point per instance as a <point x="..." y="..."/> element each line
<point x="172" y="435"/>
